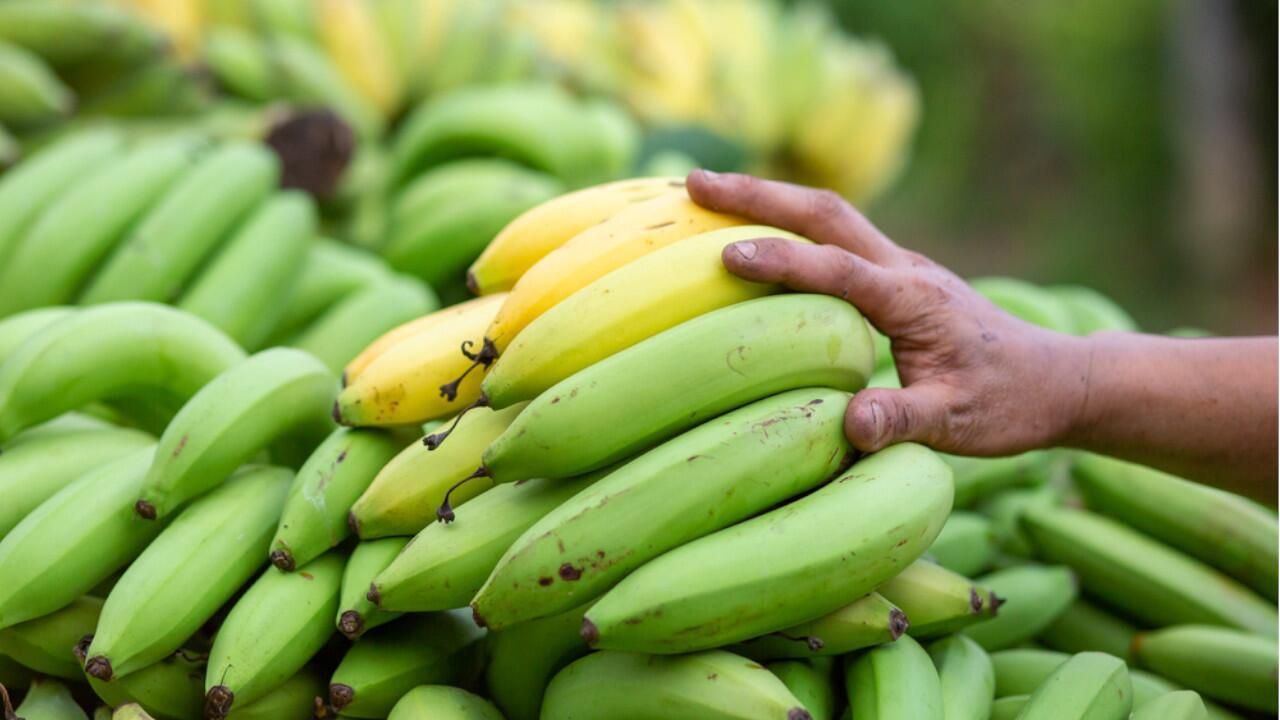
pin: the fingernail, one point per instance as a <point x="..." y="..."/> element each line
<point x="746" y="249"/>
<point x="709" y="175"/>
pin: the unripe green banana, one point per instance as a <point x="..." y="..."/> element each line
<point x="348" y="326"/>
<point x="724" y="471"/>
<point x="967" y="679"/>
<point x="358" y="614"/>
<point x="172" y="689"/>
<point x="331" y="271"/>
<point x="198" y="563"/>
<point x="1084" y="626"/>
<point x="74" y="540"/>
<point x="447" y="563"/>
<point x="1029" y="302"/>
<point x="239" y="62"/>
<point x="17" y="328"/>
<point x="44" y="644"/>
<point x="387" y="663"/>
<point x="68" y="33"/>
<point x="965" y="545"/>
<point x="1020" y="671"/>
<point x="1034" y="596"/>
<point x="106" y="352"/>
<point x="810" y="681"/>
<point x="240" y="289"/>
<point x="167" y="245"/>
<point x="895" y="680"/>
<point x="1224" y="530"/>
<point x="295" y="698"/>
<point x="1089" y="686"/>
<point x="676" y="379"/>
<point x="272" y="631"/>
<point x="272" y="394"/>
<point x="334" y="477"/>
<point x="1091" y="311"/>
<point x="441" y="702"/>
<point x="132" y="711"/>
<point x="1180" y="705"/>
<point x="1005" y="510"/>
<point x="47" y="700"/>
<point x="1148" y="581"/>
<point x="60" y="252"/>
<point x="404" y="496"/>
<point x="1009" y="707"/>
<point x="978" y="477"/>
<point x="523" y="658"/>
<point x="1229" y="665"/>
<point x="936" y="601"/>
<point x="307" y="76"/>
<point x="710" y="685"/>
<point x="30" y="92"/>
<point x="783" y="567"/>
<point x="869" y="620"/>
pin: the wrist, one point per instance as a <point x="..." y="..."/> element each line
<point x="1072" y="399"/>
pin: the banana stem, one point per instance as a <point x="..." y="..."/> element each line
<point x="487" y="354"/>
<point x="433" y="440"/>
<point x="813" y="641"/>
<point x="444" y="513"/>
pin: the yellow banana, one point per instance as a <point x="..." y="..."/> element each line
<point x="397" y="335"/>
<point x="350" y="34"/>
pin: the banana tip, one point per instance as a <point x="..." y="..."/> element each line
<point x="472" y="284"/>
<point x="798" y="714"/>
<point x="373" y="595"/>
<point x="341" y="696"/>
<point x="81" y="649"/>
<point x="996" y="602"/>
<point x="898" y="623"/>
<point x="353" y="523"/>
<point x="590" y="633"/>
<point x="282" y="559"/>
<point x="145" y="510"/>
<point x="975" y="601"/>
<point x="337" y="408"/>
<point x="99" y="667"/>
<point x="477" y="618"/>
<point x="217" y="702"/>
<point x="351" y="624"/>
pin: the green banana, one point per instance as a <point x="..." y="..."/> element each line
<point x="269" y="395"/>
<point x="810" y="681"/>
<point x="1020" y="671"/>
<point x="349" y="325"/>
<point x="965" y="544"/>
<point x="47" y="700"/>
<point x="895" y="680"/>
<point x="307" y="76"/>
<point x="1005" y="510"/>
<point x="523" y="658"/>
<point x="785" y="566"/>
<point x="721" y="472"/>
<point x="676" y="379"/>
<point x="1008" y="707"/>
<point x="403" y="498"/>
<point x="27" y="189"/>
<point x="330" y="272"/>
<point x="239" y="61"/>
<point x="272" y="631"/>
<point x="1084" y="626"/>
<point x="106" y="352"/>
<point x="1091" y="311"/>
<point x="936" y="601"/>
<point x="60" y="251"/>
<point x="441" y="702"/>
<point x="334" y="477"/>
<point x="33" y="469"/>
<point x="709" y="685"/>
<point x="966" y="676"/>
<point x="294" y="698"/>
<point x="132" y="711"/>
<point x="198" y="563"/>
<point x="1226" y="531"/>
<point x="30" y="92"/>
<point x="1148" y="581"/>
<point x="171" y="689"/>
<point x="166" y="247"/>
<point x="17" y="328"/>
<point x="1034" y="596"/>
<point x="356" y="612"/>
<point x="1180" y="705"/>
<point x="446" y="564"/>
<point x="390" y="661"/>
<point x="239" y="290"/>
<point x="73" y="540"/>
<point x="1146" y="686"/>
<point x="1028" y="302"/>
<point x="68" y="33"/>
<point x="1089" y="686"/>
<point x="869" y="620"/>
<point x="1236" y="667"/>
<point x="44" y="644"/>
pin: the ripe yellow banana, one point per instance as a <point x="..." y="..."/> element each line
<point x="350" y="33"/>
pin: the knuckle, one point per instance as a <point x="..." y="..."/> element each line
<point x="827" y="206"/>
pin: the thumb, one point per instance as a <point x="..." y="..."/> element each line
<point x="879" y="417"/>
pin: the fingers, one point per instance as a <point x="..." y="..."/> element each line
<point x="820" y="215"/>
<point x="879" y="417"/>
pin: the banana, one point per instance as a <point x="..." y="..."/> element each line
<point x="36" y="465"/>
<point x="331" y="271"/>
<point x="198" y="563"/>
<point x="1091" y="311"/>
<point x="447" y="563"/>
<point x="356" y="613"/>
<point x="272" y="394"/>
<point x="810" y="681"/>
<point x="349" y="325"/>
<point x="1005" y="511"/>
<point x="523" y="658"/>
<point x="1236" y="667"/>
<point x="306" y="76"/>
<point x="1020" y="671"/>
<point x="405" y="495"/>
<point x="272" y="631"/>
<point x="18" y="328"/>
<point x="710" y="685"/>
<point x="441" y="702"/>
<point x="979" y="478"/>
<point x="676" y="379"/>
<point x="30" y="92"/>
<point x="1027" y="302"/>
<point x="43" y="644"/>
<point x="27" y="189"/>
<point x="402" y="384"/>
<point x="47" y="700"/>
<point x="295" y="698"/>
<point x="1034" y="596"/>
<point x="404" y="332"/>
<point x="896" y="680"/>
<point x="73" y="540"/>
<point x="172" y="689"/>
<point x="240" y="288"/>
<point x="869" y="620"/>
<point x="630" y="234"/>
<point x="966" y="676"/>
<point x="1224" y="530"/>
<point x="60" y="251"/>
<point x="1148" y="581"/>
<point x="444" y="218"/>
<point x="348" y="30"/>
<point x="240" y="62"/>
<point x="536" y="232"/>
<point x="132" y="711"/>
<point x="1180" y="705"/>
<point x="637" y="301"/>
<point x="1009" y="707"/>
<point x="68" y="33"/>
<point x="389" y="662"/>
<point x="727" y="470"/>
<point x="1084" y="626"/>
<point x="333" y="477"/>
<point x="936" y="601"/>
<point x="752" y="578"/>
<point x="1089" y="686"/>
<point x="965" y="545"/>
<point x="166" y="247"/>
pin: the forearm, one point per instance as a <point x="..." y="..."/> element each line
<point x="1203" y="409"/>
